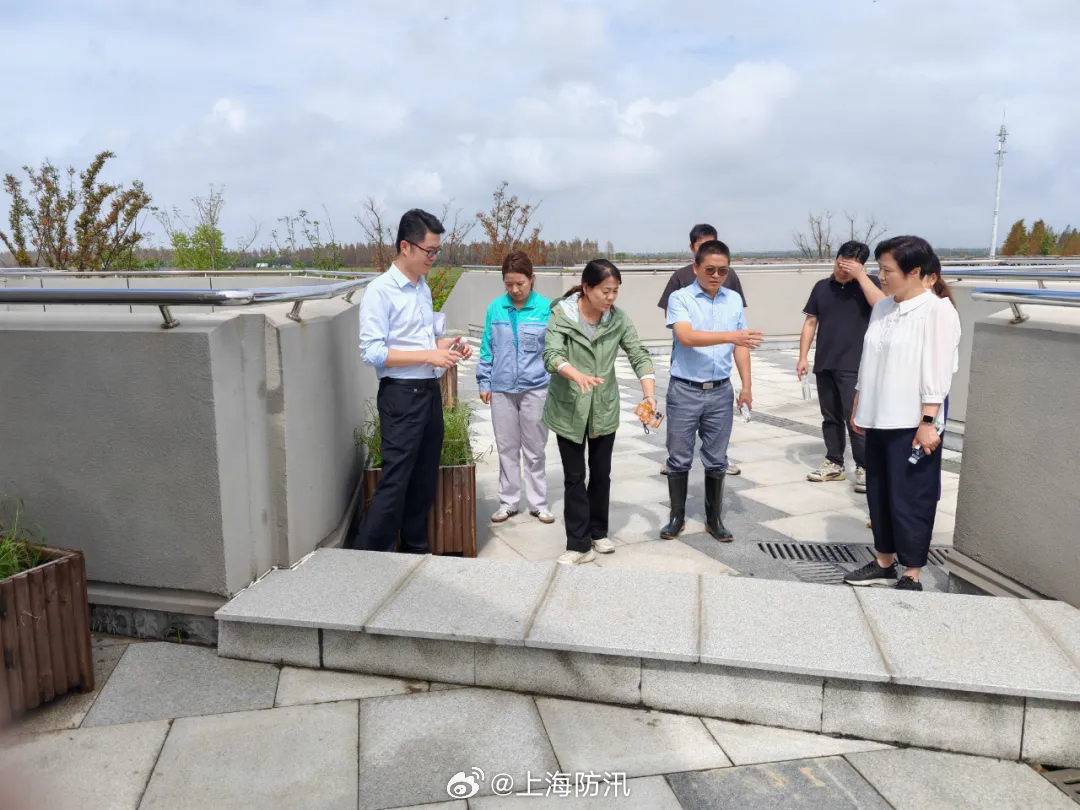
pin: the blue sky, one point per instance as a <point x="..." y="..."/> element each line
<point x="630" y="120"/>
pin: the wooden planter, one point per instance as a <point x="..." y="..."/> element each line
<point x="448" y="386"/>
<point x="44" y="633"/>
<point x="452" y="519"/>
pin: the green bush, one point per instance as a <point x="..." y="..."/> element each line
<point x="441" y="280"/>
<point x="457" y="445"/>
<point x="20" y="542"/>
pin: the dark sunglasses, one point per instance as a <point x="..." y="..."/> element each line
<point x="715" y="271"/>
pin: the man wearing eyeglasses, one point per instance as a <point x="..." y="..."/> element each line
<point x="398" y="336"/>
<point x="710" y="331"/>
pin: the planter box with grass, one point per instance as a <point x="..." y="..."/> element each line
<point x="452" y="519"/>
<point x="44" y="622"/>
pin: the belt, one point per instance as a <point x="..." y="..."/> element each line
<point x="704" y="386"/>
<point x="426" y="382"/>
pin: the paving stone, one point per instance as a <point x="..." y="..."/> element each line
<point x="638" y="742"/>
<point x="630" y="613"/>
<point x="1062" y="621"/>
<point x="747" y="452"/>
<point x="298" y="687"/>
<point x="497" y="550"/>
<point x="743" y="554"/>
<point x="465" y="600"/>
<point x="911" y="779"/>
<point x="644" y="793"/>
<point x="400" y="657"/>
<point x="1052" y="733"/>
<point x="270" y="643"/>
<point x="157" y="681"/>
<point x="359" y="580"/>
<point x="755" y="696"/>
<point x="68" y="711"/>
<point x="770" y="472"/>
<point x="536" y="541"/>
<point x="442" y="687"/>
<point x="85" y="769"/>
<point x="663" y="555"/>
<point x="807" y="784"/>
<point x="302" y="756"/>
<point x="801" y="498"/>
<point x="988" y="725"/>
<point x="462" y="805"/>
<point x="604" y="678"/>
<point x="411" y="747"/>
<point x="842" y="526"/>
<point x="748" y="744"/>
<point x="751" y="623"/>
<point x="974" y="643"/>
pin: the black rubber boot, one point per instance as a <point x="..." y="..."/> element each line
<point x="676" y="486"/>
<point x="714" y="503"/>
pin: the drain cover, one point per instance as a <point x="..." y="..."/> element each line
<point x="826" y="563"/>
<point x="1067" y="781"/>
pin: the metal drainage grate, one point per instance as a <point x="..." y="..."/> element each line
<point x="826" y="563"/>
<point x="1067" y="781"/>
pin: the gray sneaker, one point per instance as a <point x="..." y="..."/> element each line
<point x="733" y="468"/>
<point x="827" y="472"/>
<point x="860" y="479"/>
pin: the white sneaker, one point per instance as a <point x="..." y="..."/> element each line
<point x="603" y="546"/>
<point x="576" y="557"/>
<point x="543" y="515"/>
<point x="503" y="515"/>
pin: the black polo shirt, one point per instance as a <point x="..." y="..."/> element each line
<point x="843" y="313"/>
<point x="684" y="277"/>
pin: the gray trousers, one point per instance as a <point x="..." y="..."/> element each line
<point x="521" y="436"/>
<point x="692" y="411"/>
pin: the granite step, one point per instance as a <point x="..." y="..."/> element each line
<point x="981" y="675"/>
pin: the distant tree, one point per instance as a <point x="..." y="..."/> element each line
<point x="105" y="232"/>
<point x="1039" y="240"/>
<point x="1017" y="241"/>
<point x="197" y="240"/>
<point x="609" y="251"/>
<point x="453" y="239"/>
<point x="380" y="240"/>
<point x="307" y="242"/>
<point x="868" y="232"/>
<point x="1071" y="244"/>
<point x="818" y="243"/>
<point x="508" y="226"/>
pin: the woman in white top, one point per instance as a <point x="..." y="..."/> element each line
<point x="905" y="374"/>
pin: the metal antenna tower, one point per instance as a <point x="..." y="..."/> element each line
<point x="997" y="194"/>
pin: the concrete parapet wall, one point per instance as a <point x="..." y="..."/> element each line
<point x="1017" y="508"/>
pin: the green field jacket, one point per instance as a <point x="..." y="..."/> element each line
<point x="567" y="411"/>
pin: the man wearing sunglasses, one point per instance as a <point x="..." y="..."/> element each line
<point x="398" y="336"/>
<point x="710" y="331"/>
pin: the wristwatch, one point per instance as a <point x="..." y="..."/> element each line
<point x="927" y="420"/>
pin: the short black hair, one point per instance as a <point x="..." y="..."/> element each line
<point x="714" y="247"/>
<point x="702" y="231"/>
<point x="854" y="250"/>
<point x="910" y="253"/>
<point x="415" y="224"/>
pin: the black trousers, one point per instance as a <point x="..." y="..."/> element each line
<point x="411" y="423"/>
<point x="902" y="496"/>
<point x="586" y="507"/>
<point x="836" y="396"/>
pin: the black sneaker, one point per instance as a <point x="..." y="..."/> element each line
<point x="908" y="584"/>
<point x="872" y="574"/>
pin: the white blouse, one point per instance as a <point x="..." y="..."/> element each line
<point x="910" y="353"/>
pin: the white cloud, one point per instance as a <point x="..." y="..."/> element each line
<point x="231" y="113"/>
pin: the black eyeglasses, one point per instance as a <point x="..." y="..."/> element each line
<point x="431" y="252"/>
<point x="715" y="271"/>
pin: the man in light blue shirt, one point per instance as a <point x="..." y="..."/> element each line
<point x="710" y="332"/>
<point x="398" y="336"/>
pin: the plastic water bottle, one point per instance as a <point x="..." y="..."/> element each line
<point x="806" y="386"/>
<point x="917" y="451"/>
<point x="745" y="411"/>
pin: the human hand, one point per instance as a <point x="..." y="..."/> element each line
<point x="745" y="398"/>
<point x="443" y="358"/>
<point x="485" y="397"/>
<point x="585" y="383"/>
<point x="855" y="427"/>
<point x="928" y="437"/>
<point x="802" y="368"/>
<point x="748" y="338"/>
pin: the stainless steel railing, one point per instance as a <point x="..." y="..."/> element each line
<point x="164" y="299"/>
<point x="1015" y="296"/>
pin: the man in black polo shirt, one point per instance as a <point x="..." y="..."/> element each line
<point x="684" y="277"/>
<point x="839" y="311"/>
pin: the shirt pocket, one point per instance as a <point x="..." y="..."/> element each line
<point x="531" y="337"/>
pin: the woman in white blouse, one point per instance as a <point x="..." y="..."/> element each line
<point x="905" y="374"/>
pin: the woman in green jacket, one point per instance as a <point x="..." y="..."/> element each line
<point x="584" y="335"/>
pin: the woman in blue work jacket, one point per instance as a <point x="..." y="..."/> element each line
<point x="512" y="380"/>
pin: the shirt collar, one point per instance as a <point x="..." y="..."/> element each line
<point x="913" y="303"/>
<point x="530" y="302"/>
<point x="401" y="279"/>
<point x="722" y="292"/>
